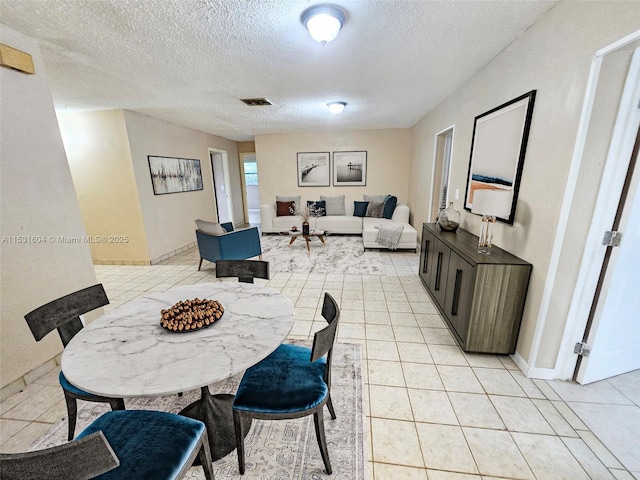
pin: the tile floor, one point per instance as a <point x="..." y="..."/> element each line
<point x="433" y="412"/>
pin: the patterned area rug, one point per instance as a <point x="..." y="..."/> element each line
<point x="274" y="450"/>
<point x="339" y="254"/>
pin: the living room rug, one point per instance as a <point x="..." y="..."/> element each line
<point x="339" y="254"/>
<point x="274" y="450"/>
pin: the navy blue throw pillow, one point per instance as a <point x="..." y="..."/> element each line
<point x="360" y="209"/>
<point x="389" y="206"/>
<point x="319" y="207"/>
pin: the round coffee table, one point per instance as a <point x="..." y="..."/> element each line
<point x="313" y="233"/>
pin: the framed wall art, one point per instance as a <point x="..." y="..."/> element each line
<point x="313" y="169"/>
<point x="349" y="168"/>
<point x="498" y="148"/>
<point x="174" y="175"/>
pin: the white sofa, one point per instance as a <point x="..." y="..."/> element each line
<point x="345" y="224"/>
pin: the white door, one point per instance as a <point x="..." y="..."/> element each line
<point x="614" y="334"/>
<point x="614" y="337"/>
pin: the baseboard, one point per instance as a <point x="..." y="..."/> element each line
<point x="19" y="384"/>
<point x="153" y="261"/>
<point x="533" y="372"/>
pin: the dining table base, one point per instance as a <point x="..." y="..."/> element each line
<point x="216" y="412"/>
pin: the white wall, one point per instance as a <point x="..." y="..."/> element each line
<point x="388" y="156"/>
<point x="553" y="56"/>
<point x="38" y="199"/>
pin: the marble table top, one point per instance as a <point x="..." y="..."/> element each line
<point x="126" y="353"/>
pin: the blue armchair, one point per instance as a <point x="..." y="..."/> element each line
<point x="226" y="243"/>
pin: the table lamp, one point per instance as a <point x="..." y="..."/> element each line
<point x="490" y="204"/>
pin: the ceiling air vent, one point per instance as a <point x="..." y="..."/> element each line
<point x="256" y="102"/>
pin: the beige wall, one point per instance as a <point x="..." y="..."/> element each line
<point x="169" y="219"/>
<point x="39" y="202"/>
<point x="246" y="147"/>
<point x="97" y="148"/>
<point x="553" y="56"/>
<point x="388" y="156"/>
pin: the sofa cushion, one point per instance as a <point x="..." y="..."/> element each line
<point x="408" y="238"/>
<point x="210" y="228"/>
<point x="285" y="209"/>
<point x="339" y="223"/>
<point x="360" y="208"/>
<point x="375" y="209"/>
<point x="389" y="206"/>
<point x="319" y="207"/>
<point x="288" y="198"/>
<point x="374" y="198"/>
<point x="335" y="204"/>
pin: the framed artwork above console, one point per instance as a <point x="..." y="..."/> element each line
<point x="498" y="148"/>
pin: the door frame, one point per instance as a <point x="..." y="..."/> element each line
<point x="227" y="184"/>
<point x="245" y="204"/>
<point x="589" y="272"/>
<point x="436" y="164"/>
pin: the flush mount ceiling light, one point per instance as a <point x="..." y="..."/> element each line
<point x="323" y="22"/>
<point x="336" y="107"/>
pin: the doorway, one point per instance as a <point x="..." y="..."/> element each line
<point x="221" y="189"/>
<point x="249" y="167"/>
<point x="440" y="196"/>
<point x="610" y="345"/>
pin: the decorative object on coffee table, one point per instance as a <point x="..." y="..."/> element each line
<point x="313" y="233"/>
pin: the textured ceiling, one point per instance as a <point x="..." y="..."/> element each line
<point x="189" y="62"/>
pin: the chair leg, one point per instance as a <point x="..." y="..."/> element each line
<point x="205" y="457"/>
<point x="318" y="420"/>
<point x="330" y="407"/>
<point x="237" y="422"/>
<point x="200" y="264"/>
<point x="117" y="404"/>
<point x="72" y="412"/>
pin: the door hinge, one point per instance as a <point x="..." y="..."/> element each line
<point x="612" y="238"/>
<point x="582" y="348"/>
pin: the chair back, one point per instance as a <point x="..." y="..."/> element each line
<point x="323" y="340"/>
<point x="245" y="270"/>
<point x="85" y="458"/>
<point x="64" y="313"/>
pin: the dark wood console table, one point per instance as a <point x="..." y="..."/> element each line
<point x="480" y="296"/>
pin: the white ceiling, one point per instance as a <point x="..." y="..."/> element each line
<point x="189" y="61"/>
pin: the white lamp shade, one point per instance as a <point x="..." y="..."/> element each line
<point x="492" y="202"/>
<point x="323" y="22"/>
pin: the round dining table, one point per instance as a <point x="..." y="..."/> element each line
<point x="126" y="352"/>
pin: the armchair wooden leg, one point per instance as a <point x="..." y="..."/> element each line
<point x="237" y="421"/>
<point x="318" y="420"/>
<point x="72" y="413"/>
<point x="260" y="256"/>
<point x="200" y="264"/>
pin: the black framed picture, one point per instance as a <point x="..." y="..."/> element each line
<point x="349" y="168"/>
<point x="313" y="169"/>
<point x="498" y="148"/>
<point x="174" y="175"/>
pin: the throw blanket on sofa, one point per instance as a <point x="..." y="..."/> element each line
<point x="389" y="236"/>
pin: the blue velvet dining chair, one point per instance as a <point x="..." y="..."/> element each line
<point x="294" y="381"/>
<point x="119" y="445"/>
<point x="63" y="314"/>
<point x="223" y="242"/>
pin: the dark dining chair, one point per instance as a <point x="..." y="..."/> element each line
<point x="64" y="314"/>
<point x="245" y="270"/>
<point x="294" y="381"/>
<point x="119" y="445"/>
